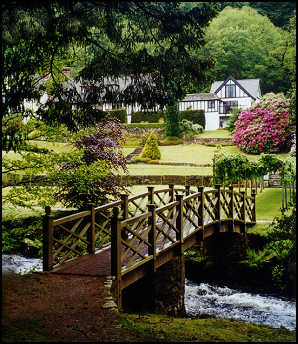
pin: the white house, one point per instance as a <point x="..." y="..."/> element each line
<point x="217" y="104"/>
<point x="222" y="97"/>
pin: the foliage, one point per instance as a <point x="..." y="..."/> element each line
<point x="233" y="118"/>
<point x="150" y="117"/>
<point x="257" y="259"/>
<point x="291" y="95"/>
<point x="246" y="45"/>
<point x="278" y="12"/>
<point x="146" y="125"/>
<point x="282" y="233"/>
<point x="189" y="129"/>
<point x="19" y="233"/>
<point x="264" y="127"/>
<point x="90" y="176"/>
<point x="172" y="117"/>
<point x="195" y="116"/>
<point x="148" y="43"/>
<point x="121" y="114"/>
<point x="171" y="140"/>
<point x="236" y="167"/>
<point x="151" y="149"/>
<point x="288" y="173"/>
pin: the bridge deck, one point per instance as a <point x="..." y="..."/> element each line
<point x="98" y="264"/>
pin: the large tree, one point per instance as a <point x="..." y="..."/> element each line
<point x="151" y="42"/>
<point x="245" y="45"/>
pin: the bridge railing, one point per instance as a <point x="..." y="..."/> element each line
<point x="90" y="230"/>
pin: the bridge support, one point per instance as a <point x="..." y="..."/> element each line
<point x="161" y="291"/>
<point x="225" y="247"/>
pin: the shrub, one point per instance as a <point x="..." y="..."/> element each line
<point x="151" y="149"/>
<point x="264" y="127"/>
<point x="150" y="117"/>
<point x="233" y="118"/>
<point x="90" y="175"/>
<point x="145" y="125"/>
<point x="171" y="140"/>
<point x="282" y="233"/>
<point x="195" y="116"/>
<point x="190" y="129"/>
<point x="172" y="120"/>
<point x="120" y="114"/>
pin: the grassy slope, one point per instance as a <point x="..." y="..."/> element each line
<point x="170" y="329"/>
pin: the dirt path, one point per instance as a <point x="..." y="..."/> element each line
<point x="52" y="307"/>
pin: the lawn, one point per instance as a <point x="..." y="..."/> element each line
<point x="219" y="133"/>
<point x="158" y="170"/>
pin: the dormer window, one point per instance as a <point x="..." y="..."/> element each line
<point x="230" y="91"/>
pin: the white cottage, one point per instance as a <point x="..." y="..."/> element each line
<point x="222" y="97"/>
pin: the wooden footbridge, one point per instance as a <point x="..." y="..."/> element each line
<point x="136" y="234"/>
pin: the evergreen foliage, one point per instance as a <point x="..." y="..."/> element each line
<point x="150" y="117"/>
<point x="195" y="116"/>
<point x="151" y="149"/>
<point x="172" y="118"/>
<point x="232" y="119"/>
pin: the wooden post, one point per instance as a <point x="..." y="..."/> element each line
<point x="116" y="253"/>
<point x="187" y="190"/>
<point x="151" y="195"/>
<point x="231" y="209"/>
<point x="180" y="223"/>
<point x="124" y="209"/>
<point x="253" y="195"/>
<point x="217" y="187"/>
<point x="171" y="192"/>
<point x="201" y="214"/>
<point x="47" y="240"/>
<point x="152" y="234"/>
<point x="243" y="213"/>
<point x="91" y="230"/>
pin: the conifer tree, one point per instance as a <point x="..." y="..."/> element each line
<point x="151" y="149"/>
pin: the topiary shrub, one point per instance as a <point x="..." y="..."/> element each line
<point x="172" y="118"/>
<point x="151" y="149"/>
<point x="265" y="126"/>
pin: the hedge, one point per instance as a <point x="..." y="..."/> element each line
<point x="150" y="117"/>
<point x="121" y="114"/>
<point x="145" y="125"/>
<point x="195" y="116"/>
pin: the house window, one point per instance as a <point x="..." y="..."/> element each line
<point x="211" y="104"/>
<point x="230" y="91"/>
<point x="228" y="105"/>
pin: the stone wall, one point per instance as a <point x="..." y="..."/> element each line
<point x="160" y="292"/>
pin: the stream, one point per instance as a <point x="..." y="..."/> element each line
<point x="204" y="299"/>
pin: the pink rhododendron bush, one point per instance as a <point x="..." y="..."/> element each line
<point x="264" y="127"/>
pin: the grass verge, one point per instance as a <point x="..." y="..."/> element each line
<point x="168" y="329"/>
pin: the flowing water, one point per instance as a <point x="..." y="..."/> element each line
<point x="223" y="302"/>
<point x="203" y="298"/>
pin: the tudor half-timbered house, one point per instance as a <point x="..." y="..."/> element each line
<point x="222" y="97"/>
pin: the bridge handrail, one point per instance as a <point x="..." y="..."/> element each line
<point x="90" y="231"/>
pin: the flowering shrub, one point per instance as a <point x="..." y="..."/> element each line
<point x="264" y="127"/>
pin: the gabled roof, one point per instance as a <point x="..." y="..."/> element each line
<point x="200" y="96"/>
<point x="249" y="86"/>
